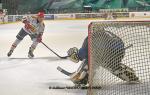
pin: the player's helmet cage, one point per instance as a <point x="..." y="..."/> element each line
<point x="40" y="14"/>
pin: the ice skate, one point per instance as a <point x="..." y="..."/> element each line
<point x="9" y="53"/>
<point x="30" y="53"/>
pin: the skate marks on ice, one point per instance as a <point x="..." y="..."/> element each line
<point x="49" y="58"/>
<point x="124" y="88"/>
<point x="35" y="58"/>
<point x="16" y="62"/>
<point x="63" y="83"/>
<point x="6" y="63"/>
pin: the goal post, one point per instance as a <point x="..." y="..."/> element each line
<point x="111" y="43"/>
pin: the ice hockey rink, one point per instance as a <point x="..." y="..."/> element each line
<point x="20" y="75"/>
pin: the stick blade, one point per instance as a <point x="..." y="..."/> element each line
<point x="63" y="71"/>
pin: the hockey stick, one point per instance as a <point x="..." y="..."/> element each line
<point x="62" y="57"/>
<point x="75" y="87"/>
<point x="64" y="71"/>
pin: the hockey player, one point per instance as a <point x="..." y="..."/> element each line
<point x="34" y="27"/>
<point x="112" y="51"/>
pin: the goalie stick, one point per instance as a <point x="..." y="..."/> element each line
<point x="75" y="87"/>
<point x="64" y="71"/>
<point x="62" y="57"/>
<point x="68" y="73"/>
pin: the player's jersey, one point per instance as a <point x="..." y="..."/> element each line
<point x="37" y="27"/>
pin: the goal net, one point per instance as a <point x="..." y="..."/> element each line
<point x="112" y="43"/>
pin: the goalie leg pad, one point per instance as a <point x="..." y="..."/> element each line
<point x="81" y="75"/>
<point x="126" y="73"/>
<point x="77" y="81"/>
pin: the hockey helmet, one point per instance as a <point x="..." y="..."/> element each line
<point x="40" y="14"/>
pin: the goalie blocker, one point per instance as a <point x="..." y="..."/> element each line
<point x="113" y="51"/>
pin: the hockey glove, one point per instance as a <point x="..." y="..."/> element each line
<point x="39" y="38"/>
<point x="27" y="25"/>
<point x="73" y="54"/>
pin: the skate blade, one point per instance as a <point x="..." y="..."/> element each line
<point x="8" y="55"/>
<point x="30" y="56"/>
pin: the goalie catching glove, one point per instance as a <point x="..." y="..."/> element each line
<point x="73" y="54"/>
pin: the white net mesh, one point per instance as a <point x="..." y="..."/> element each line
<point x="115" y="44"/>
